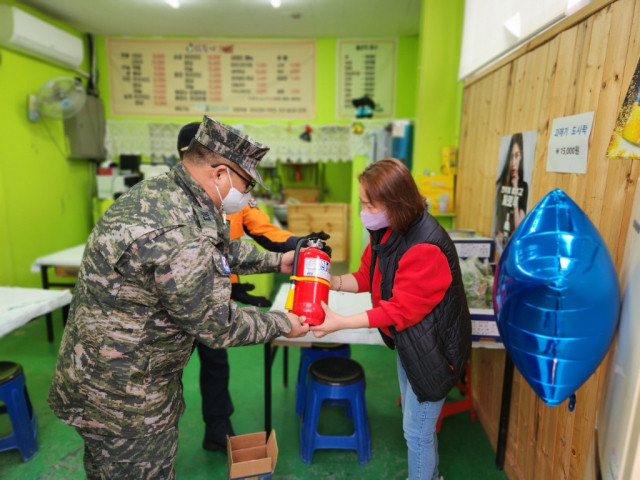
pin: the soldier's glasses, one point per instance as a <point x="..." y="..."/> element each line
<point x="250" y="183"/>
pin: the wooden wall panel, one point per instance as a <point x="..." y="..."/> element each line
<point x="584" y="67"/>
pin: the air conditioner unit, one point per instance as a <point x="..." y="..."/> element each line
<point x="25" y="33"/>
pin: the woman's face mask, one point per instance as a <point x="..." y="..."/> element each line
<point x="234" y="201"/>
<point x="374" y="221"/>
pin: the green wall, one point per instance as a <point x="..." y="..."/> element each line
<point x="439" y="92"/>
<point x="44" y="198"/>
<point x="356" y="238"/>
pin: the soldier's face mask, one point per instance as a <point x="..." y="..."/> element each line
<point x="234" y="201"/>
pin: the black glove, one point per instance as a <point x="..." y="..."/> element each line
<point x="321" y="235"/>
<point x="324" y="237"/>
<point x="239" y="294"/>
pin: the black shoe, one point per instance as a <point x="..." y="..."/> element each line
<point x="217" y="445"/>
<point x="215" y="436"/>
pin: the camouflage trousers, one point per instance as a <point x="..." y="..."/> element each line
<point x="115" y="458"/>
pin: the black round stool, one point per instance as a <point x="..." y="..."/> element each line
<point x="9" y="371"/>
<point x="336" y="371"/>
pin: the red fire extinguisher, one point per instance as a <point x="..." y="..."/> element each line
<point x="309" y="282"/>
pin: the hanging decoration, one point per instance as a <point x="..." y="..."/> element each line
<point x="357" y="128"/>
<point x="335" y="142"/>
<point x="306" y="135"/>
<point x="556" y="298"/>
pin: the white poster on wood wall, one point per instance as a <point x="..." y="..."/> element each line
<point x="568" y="147"/>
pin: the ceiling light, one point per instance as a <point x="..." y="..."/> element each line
<point x="276" y="3"/>
<point x="173" y="3"/>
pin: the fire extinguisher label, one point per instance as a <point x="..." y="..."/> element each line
<point x="316" y="267"/>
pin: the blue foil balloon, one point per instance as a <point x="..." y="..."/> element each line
<point x="556" y="298"/>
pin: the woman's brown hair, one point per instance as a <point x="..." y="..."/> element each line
<point x="389" y="182"/>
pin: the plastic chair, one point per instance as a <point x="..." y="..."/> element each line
<point x="335" y="380"/>
<point x="308" y="355"/>
<point x="13" y="393"/>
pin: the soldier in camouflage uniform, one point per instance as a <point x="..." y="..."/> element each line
<point x="154" y="277"/>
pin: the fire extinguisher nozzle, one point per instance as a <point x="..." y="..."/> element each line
<point x="289" y="304"/>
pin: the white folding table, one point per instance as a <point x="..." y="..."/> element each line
<point x="19" y="306"/>
<point x="70" y="257"/>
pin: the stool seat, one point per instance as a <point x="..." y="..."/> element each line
<point x="9" y="371"/>
<point x="336" y="371"/>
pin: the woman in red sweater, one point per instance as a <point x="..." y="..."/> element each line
<point x="418" y="302"/>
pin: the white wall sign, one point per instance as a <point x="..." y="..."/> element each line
<point x="366" y="67"/>
<point x="569" y="144"/>
<point x="226" y="78"/>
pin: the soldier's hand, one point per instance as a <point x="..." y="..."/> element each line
<point x="239" y="294"/>
<point x="286" y="264"/>
<point x="298" y="327"/>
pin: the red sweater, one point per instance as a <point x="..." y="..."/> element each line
<point x="421" y="281"/>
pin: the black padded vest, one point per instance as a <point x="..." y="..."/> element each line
<point x="434" y="352"/>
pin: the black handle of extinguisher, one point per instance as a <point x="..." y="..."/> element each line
<point x="295" y="255"/>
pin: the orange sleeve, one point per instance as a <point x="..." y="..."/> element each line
<point x="236" y="231"/>
<point x="236" y="221"/>
<point x="258" y="223"/>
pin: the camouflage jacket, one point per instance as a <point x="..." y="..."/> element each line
<point x="154" y="276"/>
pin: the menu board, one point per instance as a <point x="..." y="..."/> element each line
<point x="235" y="78"/>
<point x="366" y="67"/>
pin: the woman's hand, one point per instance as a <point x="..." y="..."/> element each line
<point x="332" y="323"/>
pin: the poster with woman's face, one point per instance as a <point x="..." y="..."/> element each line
<point x="515" y="166"/>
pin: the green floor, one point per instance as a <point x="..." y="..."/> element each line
<point x="465" y="453"/>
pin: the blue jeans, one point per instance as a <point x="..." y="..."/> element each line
<point x="419" y="425"/>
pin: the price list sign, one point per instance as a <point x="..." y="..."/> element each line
<point x="366" y="67"/>
<point x="247" y="79"/>
<point x="568" y="148"/>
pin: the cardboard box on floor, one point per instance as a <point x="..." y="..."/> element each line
<point x="252" y="456"/>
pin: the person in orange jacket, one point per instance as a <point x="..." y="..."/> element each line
<point x="257" y="224"/>
<point x="217" y="405"/>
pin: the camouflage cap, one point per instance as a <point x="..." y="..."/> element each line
<point x="232" y="145"/>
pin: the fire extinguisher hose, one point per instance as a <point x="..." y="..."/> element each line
<point x="289" y="304"/>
